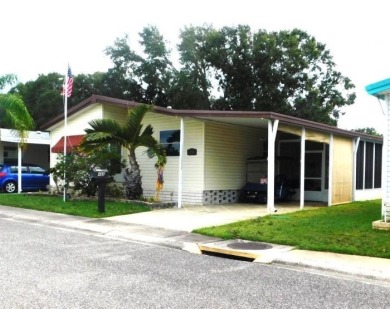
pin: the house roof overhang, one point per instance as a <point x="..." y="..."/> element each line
<point x="244" y="118"/>
<point x="379" y="89"/>
<point x="32" y="137"/>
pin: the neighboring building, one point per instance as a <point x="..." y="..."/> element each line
<point x="381" y="90"/>
<point x="36" y="149"/>
<point x="212" y="154"/>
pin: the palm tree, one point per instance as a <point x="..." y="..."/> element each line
<point x="131" y="135"/>
<point x="13" y="111"/>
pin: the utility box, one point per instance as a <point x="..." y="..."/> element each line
<point x="101" y="178"/>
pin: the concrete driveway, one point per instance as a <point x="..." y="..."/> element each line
<point x="189" y="218"/>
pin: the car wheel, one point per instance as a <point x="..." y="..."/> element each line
<point x="10" y="187"/>
<point x="262" y="198"/>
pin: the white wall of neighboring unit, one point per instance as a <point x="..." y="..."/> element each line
<point x="368" y="194"/>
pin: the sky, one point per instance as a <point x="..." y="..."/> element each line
<point x="43" y="36"/>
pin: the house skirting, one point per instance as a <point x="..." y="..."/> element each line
<point x="206" y="197"/>
<point x="220" y="196"/>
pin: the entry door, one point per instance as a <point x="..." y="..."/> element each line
<point x="314" y="176"/>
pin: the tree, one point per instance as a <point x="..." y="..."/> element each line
<point x="42" y="96"/>
<point x="370" y="131"/>
<point x="13" y="111"/>
<point x="149" y="75"/>
<point x="233" y="68"/>
<point x="77" y="166"/>
<point x="130" y="136"/>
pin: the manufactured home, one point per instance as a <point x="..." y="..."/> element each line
<point x="212" y="155"/>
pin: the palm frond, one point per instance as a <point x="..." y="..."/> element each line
<point x="146" y="141"/>
<point x="15" y="115"/>
<point x="134" y="120"/>
<point x="101" y="133"/>
<point x="8" y="79"/>
<point x="148" y="130"/>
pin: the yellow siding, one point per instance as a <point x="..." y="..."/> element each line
<point x="117" y="113"/>
<point x="317" y="136"/>
<point x="290" y="129"/>
<point x="227" y="148"/>
<point x="342" y="170"/>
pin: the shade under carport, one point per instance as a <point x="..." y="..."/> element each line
<point x="72" y="141"/>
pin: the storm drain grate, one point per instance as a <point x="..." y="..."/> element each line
<point x="249" y="246"/>
<point x="229" y="256"/>
<point x="242" y="250"/>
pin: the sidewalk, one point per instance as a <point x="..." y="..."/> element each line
<point x="117" y="228"/>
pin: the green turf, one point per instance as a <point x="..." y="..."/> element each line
<point x="343" y="229"/>
<point x="84" y="208"/>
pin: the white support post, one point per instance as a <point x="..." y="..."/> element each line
<point x="65" y="129"/>
<point x="302" y="176"/>
<point x="385" y="159"/>
<point x="180" y="185"/>
<point x="272" y="130"/>
<point x="19" y="168"/>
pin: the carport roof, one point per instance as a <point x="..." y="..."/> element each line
<point x="245" y="118"/>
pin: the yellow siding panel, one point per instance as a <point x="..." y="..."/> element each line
<point x="290" y="129"/>
<point x="317" y="136"/>
<point x="342" y="170"/>
<point x="117" y="113"/>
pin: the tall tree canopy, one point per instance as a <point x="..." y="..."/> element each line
<point x="231" y="68"/>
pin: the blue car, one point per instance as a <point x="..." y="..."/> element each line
<point x="34" y="178"/>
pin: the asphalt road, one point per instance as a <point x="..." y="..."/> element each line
<point x="44" y="267"/>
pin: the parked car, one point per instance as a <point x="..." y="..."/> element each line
<point x="34" y="178"/>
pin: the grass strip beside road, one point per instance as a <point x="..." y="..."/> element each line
<point x="81" y="208"/>
<point x="343" y="228"/>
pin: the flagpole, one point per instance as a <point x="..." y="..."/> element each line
<point x="65" y="127"/>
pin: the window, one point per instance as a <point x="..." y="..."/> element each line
<point x="360" y="166"/>
<point x="36" y="170"/>
<point x="14" y="169"/>
<point x="368" y="165"/>
<point x="378" y="166"/>
<point x="170" y="139"/>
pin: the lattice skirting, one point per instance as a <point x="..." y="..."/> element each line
<point x="220" y="196"/>
<point x="206" y="197"/>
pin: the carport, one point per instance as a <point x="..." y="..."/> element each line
<point x="34" y="149"/>
<point x="335" y="182"/>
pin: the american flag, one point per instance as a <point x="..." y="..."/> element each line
<point x="69" y="86"/>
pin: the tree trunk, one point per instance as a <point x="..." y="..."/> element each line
<point x="132" y="176"/>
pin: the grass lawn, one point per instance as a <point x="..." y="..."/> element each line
<point x="56" y="204"/>
<point x="343" y="229"/>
